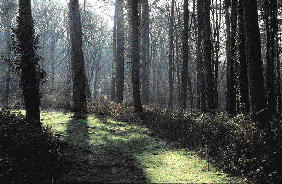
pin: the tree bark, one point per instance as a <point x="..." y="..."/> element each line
<point x="184" y="72"/>
<point x="218" y="23"/>
<point x="171" y="56"/>
<point x="29" y="76"/>
<point x="228" y="56"/>
<point x="271" y="30"/>
<point x="145" y="53"/>
<point x="231" y="87"/>
<point x="200" y="68"/>
<point x="113" y="90"/>
<point x="254" y="61"/>
<point x="120" y="52"/>
<point x="207" y="56"/>
<point x="243" y="73"/>
<point x="77" y="60"/>
<point x="135" y="58"/>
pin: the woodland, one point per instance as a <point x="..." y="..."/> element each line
<point x="81" y="80"/>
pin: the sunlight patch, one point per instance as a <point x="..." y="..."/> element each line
<point x="176" y="167"/>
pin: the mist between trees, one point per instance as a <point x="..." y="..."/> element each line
<point x="216" y="55"/>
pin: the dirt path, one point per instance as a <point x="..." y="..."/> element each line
<point x="117" y="152"/>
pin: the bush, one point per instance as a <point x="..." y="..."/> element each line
<point x="47" y="101"/>
<point x="119" y="112"/>
<point x="27" y="154"/>
<point x="239" y="148"/>
<point x="233" y="144"/>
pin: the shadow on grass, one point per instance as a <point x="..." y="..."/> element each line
<point x="97" y="161"/>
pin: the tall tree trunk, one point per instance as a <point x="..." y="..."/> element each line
<point x="191" y="99"/>
<point x="231" y="87"/>
<point x="52" y="50"/>
<point x="278" y="78"/>
<point x="177" y="58"/>
<point x="135" y="60"/>
<point x="184" y="72"/>
<point x="69" y="84"/>
<point x="271" y="30"/>
<point x="254" y="61"/>
<point x="113" y="90"/>
<point x="200" y="68"/>
<point x="77" y="60"/>
<point x="207" y="56"/>
<point x="145" y="52"/>
<point x="243" y="73"/>
<point x="171" y="47"/>
<point x="154" y="53"/>
<point x="29" y="75"/>
<point x="228" y="56"/>
<point x="218" y="22"/>
<point x="120" y="52"/>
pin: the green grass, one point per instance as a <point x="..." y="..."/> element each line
<point x="166" y="146"/>
<point x="159" y="160"/>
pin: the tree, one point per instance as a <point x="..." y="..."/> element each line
<point x="113" y="85"/>
<point x="200" y="68"/>
<point x="243" y="73"/>
<point x="271" y="30"/>
<point x="77" y="61"/>
<point x="30" y="72"/>
<point x="120" y="51"/>
<point x="207" y="56"/>
<point x="231" y="86"/>
<point x="254" y="61"/>
<point x="145" y="52"/>
<point x="217" y="48"/>
<point x="135" y="59"/>
<point x="230" y="68"/>
<point x="185" y="73"/>
<point x="171" y="47"/>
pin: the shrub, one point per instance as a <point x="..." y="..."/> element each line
<point x="27" y="153"/>
<point x="47" y="101"/>
<point x="119" y="112"/>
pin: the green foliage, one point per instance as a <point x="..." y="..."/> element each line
<point x="26" y="153"/>
<point x="117" y="111"/>
<point x="234" y="145"/>
<point x="17" y="64"/>
<point x="58" y="102"/>
<point x="238" y="147"/>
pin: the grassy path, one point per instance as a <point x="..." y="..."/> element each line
<point x="118" y="152"/>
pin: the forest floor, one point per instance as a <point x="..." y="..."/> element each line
<point x="121" y="152"/>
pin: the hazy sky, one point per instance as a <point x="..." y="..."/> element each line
<point x="98" y="6"/>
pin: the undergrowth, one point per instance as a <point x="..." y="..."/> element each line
<point x="29" y="154"/>
<point x="232" y="144"/>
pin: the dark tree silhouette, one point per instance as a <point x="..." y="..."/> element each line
<point x="145" y="52"/>
<point x="113" y="82"/>
<point x="200" y="68"/>
<point x="254" y="61"/>
<point x="271" y="30"/>
<point x="77" y="61"/>
<point x="30" y="72"/>
<point x="243" y="71"/>
<point x="207" y="56"/>
<point x="184" y="72"/>
<point x="171" y="47"/>
<point x="231" y="85"/>
<point x="120" y="51"/>
<point x="135" y="58"/>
